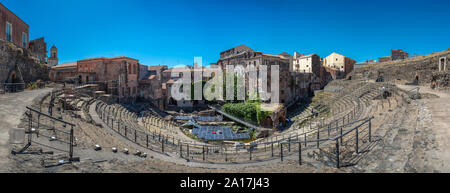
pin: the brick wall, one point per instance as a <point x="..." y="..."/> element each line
<point x="18" y="26"/>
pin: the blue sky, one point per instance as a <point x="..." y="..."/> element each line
<point x="172" y="32"/>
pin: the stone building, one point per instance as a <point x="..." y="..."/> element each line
<point x="119" y="74"/>
<point x="305" y="84"/>
<point x="395" y="55"/>
<point x="66" y="72"/>
<point x="384" y="59"/>
<point x="150" y="90"/>
<point x="53" y="60"/>
<point x="17" y="66"/>
<point x="169" y="78"/>
<point x="329" y="74"/>
<point x="12" y="28"/>
<point x="243" y="55"/>
<point x="38" y="48"/>
<point x="157" y="70"/>
<point x="307" y="64"/>
<point x="340" y="63"/>
<point x="151" y="85"/>
<point x="399" y="55"/>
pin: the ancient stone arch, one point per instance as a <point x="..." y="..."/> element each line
<point x="416" y="79"/>
<point x="267" y="122"/>
<point x="13" y="78"/>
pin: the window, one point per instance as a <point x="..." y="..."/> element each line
<point x="24" y="40"/>
<point x="9" y="32"/>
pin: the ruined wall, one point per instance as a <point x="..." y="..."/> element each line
<point x="424" y="68"/>
<point x="18" y="62"/>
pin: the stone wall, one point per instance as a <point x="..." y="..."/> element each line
<point x="421" y="68"/>
<point x="17" y="62"/>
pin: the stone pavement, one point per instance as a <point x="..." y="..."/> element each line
<point x="433" y="137"/>
<point x="12" y="108"/>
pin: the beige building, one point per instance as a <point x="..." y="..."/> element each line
<point x="307" y="64"/>
<point x="340" y="62"/>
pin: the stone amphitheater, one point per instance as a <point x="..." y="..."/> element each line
<point x="366" y="126"/>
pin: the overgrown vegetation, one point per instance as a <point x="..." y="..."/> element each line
<point x="32" y="86"/>
<point x="249" y="111"/>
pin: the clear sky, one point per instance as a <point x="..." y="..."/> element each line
<point x="172" y="32"/>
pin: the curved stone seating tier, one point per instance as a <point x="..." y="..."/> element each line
<point x="130" y="121"/>
<point x="350" y="106"/>
<point x="365" y="94"/>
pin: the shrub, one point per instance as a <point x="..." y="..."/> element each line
<point x="32" y="86"/>
<point x="249" y="111"/>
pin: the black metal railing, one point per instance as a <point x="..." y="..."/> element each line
<point x="57" y="131"/>
<point x="11" y="87"/>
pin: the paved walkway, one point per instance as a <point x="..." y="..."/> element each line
<point x="12" y="107"/>
<point x="434" y="145"/>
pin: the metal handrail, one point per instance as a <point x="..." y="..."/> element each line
<point x="48" y="116"/>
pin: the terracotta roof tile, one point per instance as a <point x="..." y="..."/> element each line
<point x="65" y="65"/>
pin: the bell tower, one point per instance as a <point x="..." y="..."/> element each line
<point x="53" y="60"/>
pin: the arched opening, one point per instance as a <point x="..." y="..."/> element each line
<point x="172" y="101"/>
<point x="13" y="81"/>
<point x="282" y="121"/>
<point x="267" y="122"/>
<point x="416" y="79"/>
<point x="386" y="94"/>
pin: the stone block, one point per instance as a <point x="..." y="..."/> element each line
<point x="17" y="136"/>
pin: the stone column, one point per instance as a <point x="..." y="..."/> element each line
<point x="445" y="64"/>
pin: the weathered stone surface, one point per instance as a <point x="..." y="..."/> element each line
<point x="17" y="65"/>
<point x="424" y="68"/>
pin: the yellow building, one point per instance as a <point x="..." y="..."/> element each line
<point x="340" y="62"/>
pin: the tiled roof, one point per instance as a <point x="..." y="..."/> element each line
<point x="171" y="81"/>
<point x="66" y="65"/>
<point x="156" y="67"/>
<point x="110" y="58"/>
<point x="307" y="56"/>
